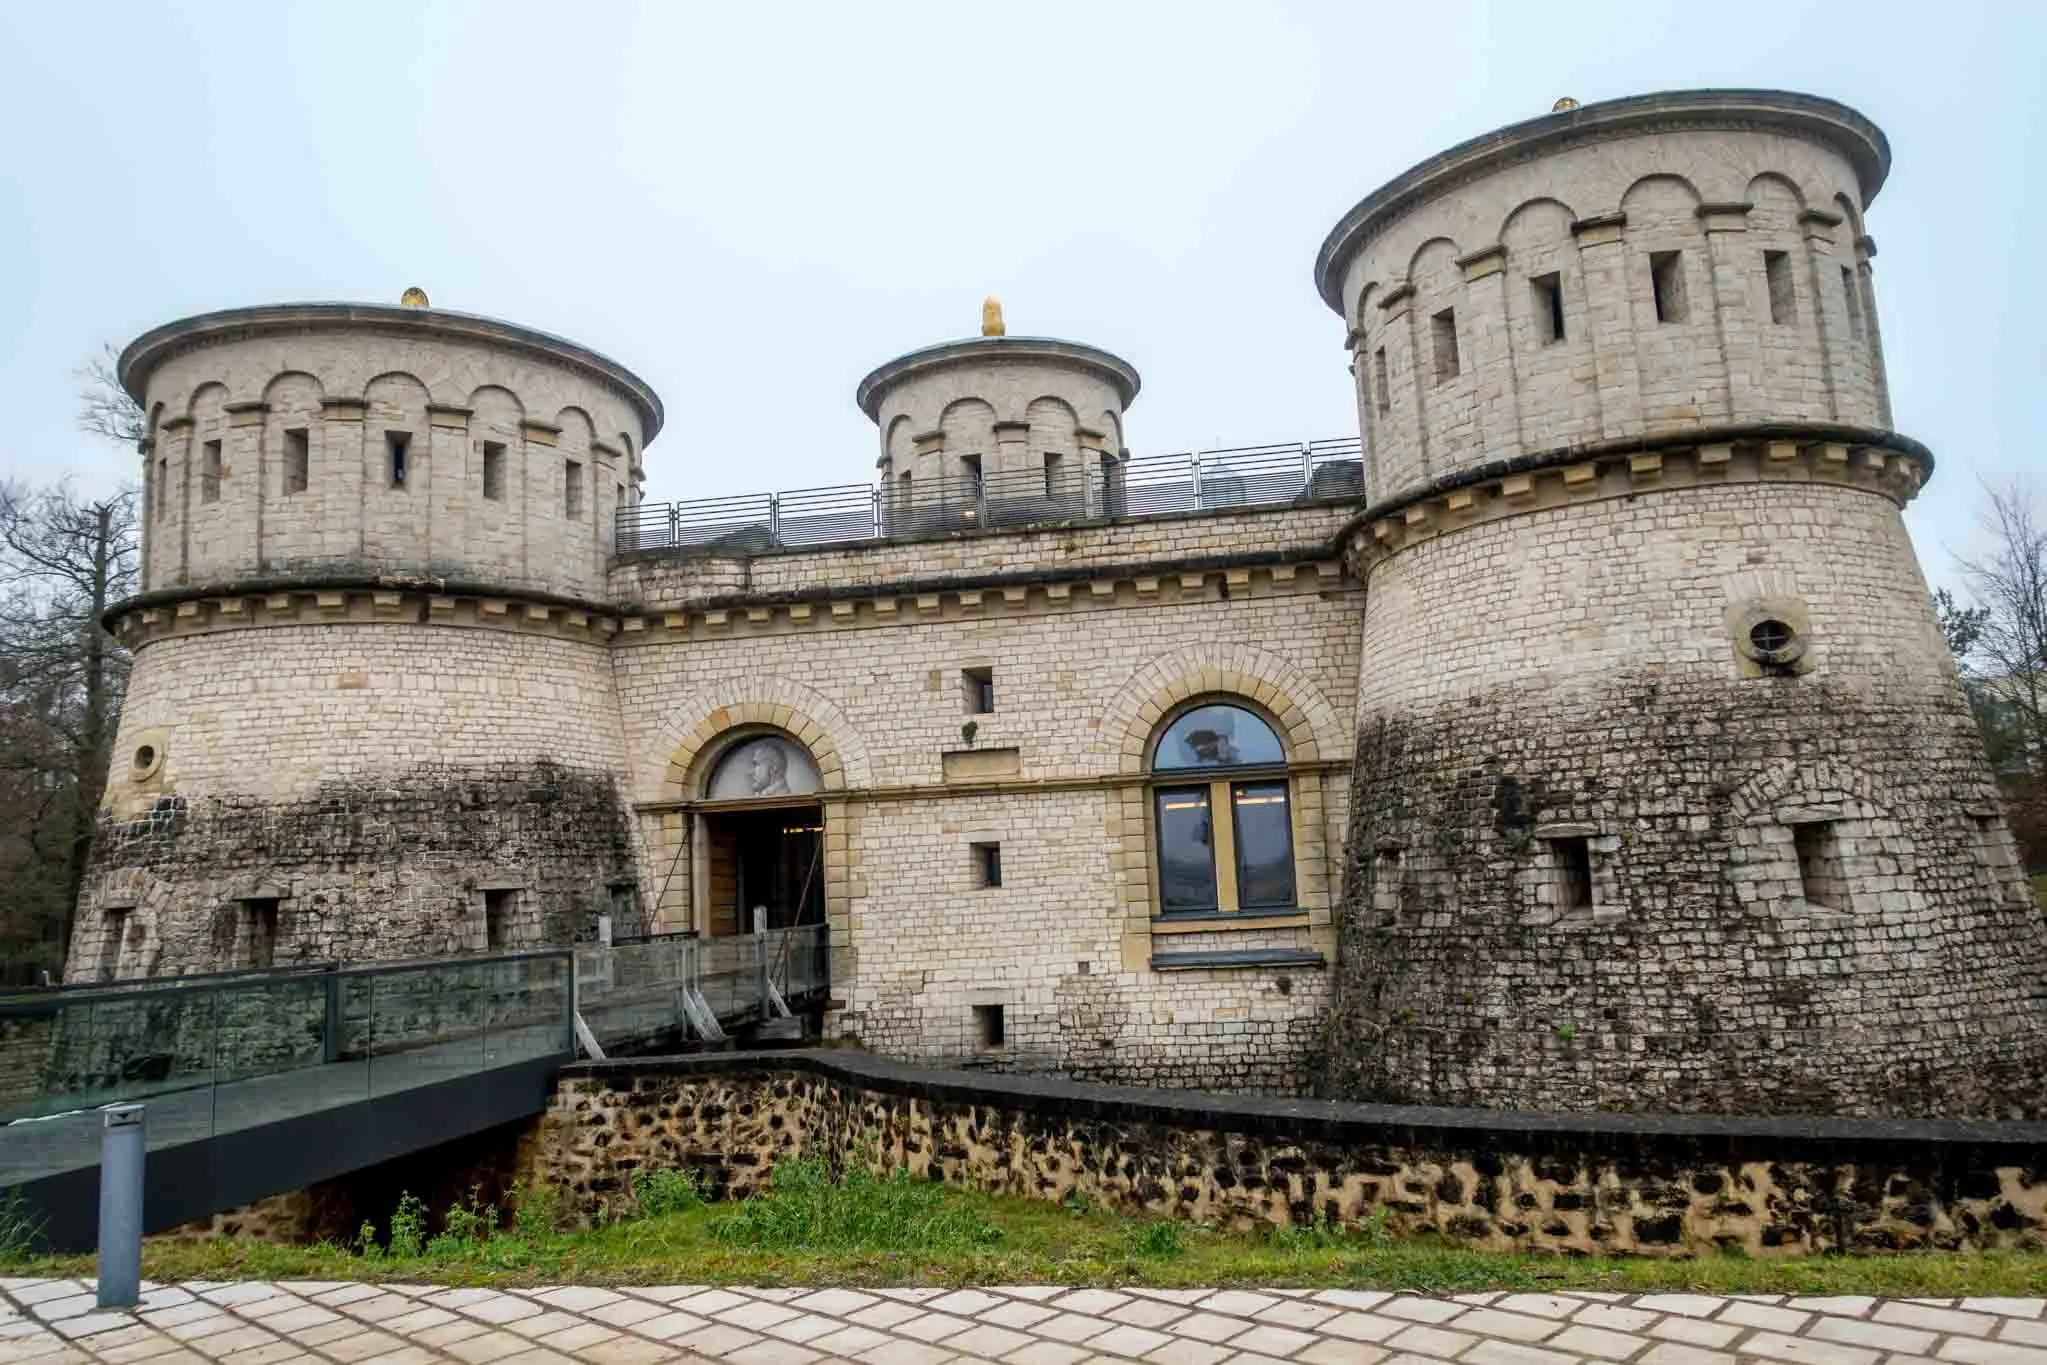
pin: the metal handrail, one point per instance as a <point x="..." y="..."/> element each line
<point x="922" y="509"/>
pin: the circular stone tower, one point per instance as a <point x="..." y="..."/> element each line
<point x="998" y="429"/>
<point x="1666" y="796"/>
<point x="370" y="714"/>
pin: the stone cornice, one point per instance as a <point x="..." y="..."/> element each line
<point x="1808" y="116"/>
<point x="400" y="600"/>
<point x="154" y="347"/>
<point x="1883" y="463"/>
<point x="981" y="350"/>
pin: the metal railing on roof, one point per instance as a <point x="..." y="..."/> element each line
<point x="1065" y="490"/>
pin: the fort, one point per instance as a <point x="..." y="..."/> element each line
<point x="1578" y="736"/>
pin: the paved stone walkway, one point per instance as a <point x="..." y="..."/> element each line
<point x="55" y="1322"/>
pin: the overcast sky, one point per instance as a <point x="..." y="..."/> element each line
<point x="752" y="204"/>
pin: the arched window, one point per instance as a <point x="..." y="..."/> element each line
<point x="1223" y="807"/>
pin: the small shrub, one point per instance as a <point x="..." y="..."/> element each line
<point x="366" y="1245"/>
<point x="656" y="1194"/>
<point x="466" y="1226"/>
<point x="537" y="1210"/>
<point x="805" y="1209"/>
<point x="21" y="1227"/>
<point x="408" y="1227"/>
<point x="1159" y="1240"/>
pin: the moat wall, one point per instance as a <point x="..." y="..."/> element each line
<point x="1573" y="1184"/>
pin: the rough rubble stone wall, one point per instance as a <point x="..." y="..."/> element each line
<point x="373" y="778"/>
<point x="1645" y="1187"/>
<point x="1593" y="215"/>
<point x="345" y="389"/>
<point x="1575" y="672"/>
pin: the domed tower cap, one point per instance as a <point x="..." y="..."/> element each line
<point x="1570" y="124"/>
<point x="996" y="349"/>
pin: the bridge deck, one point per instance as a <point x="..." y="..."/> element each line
<point x="263" y="1082"/>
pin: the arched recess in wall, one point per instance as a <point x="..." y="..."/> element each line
<point x="570" y="472"/>
<point x="1817" y="838"/>
<point x="1549" y="327"/>
<point x="663" y="771"/>
<point x="1311" y="727"/>
<point x="296" y="471"/>
<point x="497" y="445"/>
<point x="397" y="443"/>
<point x="969" y="428"/>
<point x="1051" y="428"/>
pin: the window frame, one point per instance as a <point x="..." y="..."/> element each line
<point x="1220" y="787"/>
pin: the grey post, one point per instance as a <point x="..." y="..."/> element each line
<point x="120" y="1241"/>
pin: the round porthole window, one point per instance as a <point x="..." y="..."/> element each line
<point x="1771" y="637"/>
<point x="147" y="759"/>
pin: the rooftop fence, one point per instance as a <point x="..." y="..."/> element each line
<point x="1065" y="490"/>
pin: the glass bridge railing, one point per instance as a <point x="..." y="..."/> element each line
<point x="218" y="1054"/>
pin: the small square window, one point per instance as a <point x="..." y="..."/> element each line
<point x="572" y="490"/>
<point x="209" y="472"/>
<point x="500" y="912"/>
<point x="1667" y="285"/>
<point x="1783" y="298"/>
<point x="397" y="449"/>
<point x="987" y="865"/>
<point x="259" y="932"/>
<point x="988" y="1034"/>
<point x="494" y="470"/>
<point x="298" y="460"/>
<point x="1572" y="872"/>
<point x="978" y="686"/>
<point x="1443" y="328"/>
<point x="1549" y="306"/>
<point x="1820" y="877"/>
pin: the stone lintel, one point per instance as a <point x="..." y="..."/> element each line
<point x="448" y="415"/>
<point x="1490" y="260"/>
<point x="540" y="433"/>
<point x="1725" y="217"/>
<point x="1600" y="229"/>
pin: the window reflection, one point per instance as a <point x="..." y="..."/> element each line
<point x="1186" y="850"/>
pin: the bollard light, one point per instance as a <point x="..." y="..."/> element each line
<point x="120" y="1233"/>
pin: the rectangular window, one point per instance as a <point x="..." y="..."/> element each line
<point x="1387" y="884"/>
<point x="494" y="470"/>
<point x="259" y="933"/>
<point x="113" y="932"/>
<point x="1549" y="307"/>
<point x="298" y="460"/>
<point x="988" y="1026"/>
<point x="163" y="486"/>
<point x="1572" y="859"/>
<point x="1854" y="298"/>
<point x="209" y="472"/>
<point x="1820" y="877"/>
<point x="1443" y="327"/>
<point x="572" y="490"/>
<point x="1053" y="473"/>
<point x="970" y="466"/>
<point x="1783" y="298"/>
<point x="397" y="446"/>
<point x="1667" y="284"/>
<point x="499" y="909"/>
<point x="1265" y="845"/>
<point x="1385" y="385"/>
<point x="987" y="865"/>
<point x="978" y="686"/>
<point x="1186" y="850"/>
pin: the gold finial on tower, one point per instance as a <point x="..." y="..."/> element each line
<point x="413" y="297"/>
<point x="991" y="317"/>
<point x="1562" y="105"/>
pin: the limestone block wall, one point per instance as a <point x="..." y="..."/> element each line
<point x="1627" y="269"/>
<point x="1085" y="661"/>
<point x="272" y="434"/>
<point x="1601" y="858"/>
<point x="1594" y="1184"/>
<point x="371" y="765"/>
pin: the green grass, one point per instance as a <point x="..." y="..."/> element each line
<point x="897" y="1230"/>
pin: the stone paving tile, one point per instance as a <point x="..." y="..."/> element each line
<point x="1588" y="1341"/>
<point x="672" y="1325"/>
<point x="884" y="1315"/>
<point x="1613" y="1318"/>
<point x="1095" y="1301"/>
<point x="1973" y="1351"/>
<point x="1133" y="1342"/>
<point x="1935" y="1319"/>
<point x="1278" y="1341"/>
<point x="1297" y="1313"/>
<point x="1751" y="1314"/>
<point x="1327" y="1352"/>
<point x="1494" y="1322"/>
<point x="1674" y="1353"/>
<point x="1143" y="1313"/>
<point x="1855" y="1332"/>
<point x="1187" y="1351"/>
<point x="1421" y="1310"/>
<point x="1240" y="1303"/>
<point x="1211" y="1327"/>
<point x="1493" y="1351"/>
<point x="2016" y="1308"/>
<point x="1058" y="1353"/>
<point x="2023" y="1330"/>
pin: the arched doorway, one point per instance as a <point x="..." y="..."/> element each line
<point x="762" y="850"/>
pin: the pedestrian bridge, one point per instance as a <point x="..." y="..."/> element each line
<point x="255" y="1083"/>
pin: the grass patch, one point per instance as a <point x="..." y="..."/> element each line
<point x="867" y="1229"/>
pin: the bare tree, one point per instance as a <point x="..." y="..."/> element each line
<point x="63" y="561"/>
<point x="104" y="406"/>
<point x="2004" y="656"/>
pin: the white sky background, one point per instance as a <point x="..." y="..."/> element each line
<point x="752" y="204"/>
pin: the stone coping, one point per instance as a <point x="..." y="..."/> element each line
<point x="1643" y="454"/>
<point x="1822" y="120"/>
<point x="159" y="344"/>
<point x="971" y="350"/>
<point x="1336" y="1120"/>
